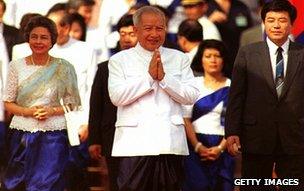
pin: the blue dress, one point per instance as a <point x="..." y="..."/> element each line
<point x="207" y="119"/>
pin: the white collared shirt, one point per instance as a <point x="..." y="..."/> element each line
<point x="273" y="55"/>
<point x="192" y="53"/>
<point x="210" y="30"/>
<point x="21" y="50"/>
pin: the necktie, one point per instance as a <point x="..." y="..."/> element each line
<point x="279" y="78"/>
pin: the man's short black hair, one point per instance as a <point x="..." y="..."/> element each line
<point x="278" y="6"/>
<point x="76" y="4"/>
<point x="57" y="7"/>
<point x="191" y="29"/>
<point x="75" y="17"/>
<point x="125" y="21"/>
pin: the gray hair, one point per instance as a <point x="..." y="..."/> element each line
<point x="147" y="9"/>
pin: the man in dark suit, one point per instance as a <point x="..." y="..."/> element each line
<point x="9" y="33"/>
<point x="102" y="112"/>
<point x="265" y="113"/>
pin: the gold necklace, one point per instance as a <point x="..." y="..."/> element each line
<point x="46" y="63"/>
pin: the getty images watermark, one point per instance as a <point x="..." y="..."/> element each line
<point x="266" y="182"/>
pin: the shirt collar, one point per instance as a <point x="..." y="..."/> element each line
<point x="273" y="47"/>
<point x="194" y="50"/>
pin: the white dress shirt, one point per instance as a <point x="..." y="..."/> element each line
<point x="210" y="30"/>
<point x="149" y="115"/>
<point x="96" y="38"/>
<point x="21" y="50"/>
<point x="192" y="53"/>
<point x="273" y="55"/>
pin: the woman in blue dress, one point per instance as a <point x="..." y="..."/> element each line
<point x="35" y="87"/>
<point x="208" y="167"/>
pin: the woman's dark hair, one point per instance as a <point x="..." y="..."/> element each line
<point x="57" y="7"/>
<point x="196" y="64"/>
<point x="24" y="21"/>
<point x="75" y="17"/>
<point x="278" y="6"/>
<point x="40" y="21"/>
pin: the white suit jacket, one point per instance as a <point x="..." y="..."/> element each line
<point x="149" y="116"/>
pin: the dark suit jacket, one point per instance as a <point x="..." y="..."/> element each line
<point x="12" y="37"/>
<point x="102" y="116"/>
<point x="254" y="111"/>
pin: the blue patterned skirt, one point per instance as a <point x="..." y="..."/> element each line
<point x="37" y="161"/>
<point x="208" y="175"/>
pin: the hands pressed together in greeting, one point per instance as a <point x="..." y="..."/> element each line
<point x="156" y="69"/>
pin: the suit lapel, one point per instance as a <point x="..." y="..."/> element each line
<point x="292" y="66"/>
<point x="263" y="58"/>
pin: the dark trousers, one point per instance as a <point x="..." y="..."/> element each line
<point x="151" y="173"/>
<point x="113" y="166"/>
<point x="76" y="178"/>
<point x="261" y="166"/>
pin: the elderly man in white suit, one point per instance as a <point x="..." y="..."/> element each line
<point x="148" y="84"/>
